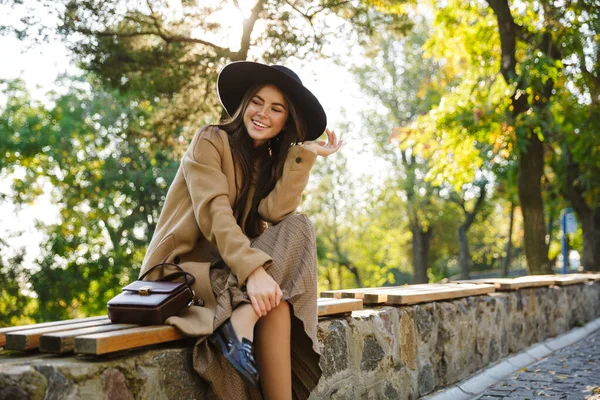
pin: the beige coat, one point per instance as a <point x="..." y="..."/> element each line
<point x="197" y="224"/>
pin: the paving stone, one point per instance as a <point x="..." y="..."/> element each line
<point x="570" y="373"/>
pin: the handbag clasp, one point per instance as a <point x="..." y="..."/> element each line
<point x="144" y="290"/>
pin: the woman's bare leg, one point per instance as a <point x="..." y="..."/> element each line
<point x="273" y="352"/>
<point x="243" y="320"/>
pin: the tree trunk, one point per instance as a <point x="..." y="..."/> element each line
<point x="507" y="259"/>
<point x="531" y="168"/>
<point x="464" y="256"/>
<point x="420" y="252"/>
<point x="354" y="271"/>
<point x="531" y="161"/>
<point x="590" y="259"/>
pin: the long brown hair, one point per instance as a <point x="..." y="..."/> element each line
<point x="270" y="157"/>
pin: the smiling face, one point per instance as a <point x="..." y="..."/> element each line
<point x="266" y="114"/>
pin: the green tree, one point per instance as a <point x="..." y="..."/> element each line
<point x="407" y="85"/>
<point x="539" y="49"/>
<point x="170" y="53"/>
<point x="359" y="236"/>
<point x="109" y="177"/>
<point x="401" y="82"/>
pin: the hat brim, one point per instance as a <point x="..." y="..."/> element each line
<point x="236" y="78"/>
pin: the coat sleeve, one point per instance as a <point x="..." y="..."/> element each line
<point x="287" y="193"/>
<point x="209" y="192"/>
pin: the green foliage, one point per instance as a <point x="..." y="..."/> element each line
<point x="109" y="177"/>
<point x="16" y="308"/>
<point x="357" y="235"/>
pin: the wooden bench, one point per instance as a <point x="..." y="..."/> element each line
<point x="411" y="294"/>
<point x="97" y="335"/>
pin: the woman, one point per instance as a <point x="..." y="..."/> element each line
<point x="258" y="284"/>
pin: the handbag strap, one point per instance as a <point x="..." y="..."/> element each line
<point x="179" y="274"/>
<point x="175" y="275"/>
<point x="145" y="274"/>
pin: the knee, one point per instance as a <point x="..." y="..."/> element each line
<point x="299" y="221"/>
<point x="282" y="311"/>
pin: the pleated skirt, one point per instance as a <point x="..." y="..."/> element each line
<point x="292" y="245"/>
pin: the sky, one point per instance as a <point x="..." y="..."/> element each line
<point x="40" y="65"/>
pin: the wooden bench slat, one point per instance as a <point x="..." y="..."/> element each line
<point x="411" y="294"/>
<point x="4" y="331"/>
<point x="509" y="284"/>
<point x="336" y="306"/>
<point x="592" y="276"/>
<point x="64" y="342"/>
<point x="564" y="280"/>
<point x="436" y="292"/>
<point x="30" y="339"/>
<point x="109" y="342"/>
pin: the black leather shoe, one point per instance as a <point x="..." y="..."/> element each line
<point x="239" y="354"/>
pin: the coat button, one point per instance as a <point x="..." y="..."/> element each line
<point x="298" y="160"/>
<point x="177" y="260"/>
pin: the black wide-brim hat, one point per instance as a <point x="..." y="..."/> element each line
<point x="236" y="78"/>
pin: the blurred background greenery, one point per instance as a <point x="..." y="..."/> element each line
<point x="479" y="121"/>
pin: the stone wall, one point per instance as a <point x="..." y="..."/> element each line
<point x="378" y="353"/>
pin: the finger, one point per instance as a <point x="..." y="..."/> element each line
<point x="267" y="302"/>
<point x="261" y="307"/>
<point x="328" y="135"/>
<point x="279" y="296"/>
<point x="274" y="302"/>
<point x="335" y="139"/>
<point x="321" y="143"/>
<point x="255" y="306"/>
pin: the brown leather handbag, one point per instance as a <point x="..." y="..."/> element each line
<point x="152" y="302"/>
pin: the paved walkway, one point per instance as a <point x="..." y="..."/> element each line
<point x="571" y="373"/>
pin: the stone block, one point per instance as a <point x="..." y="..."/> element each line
<point x="521" y="360"/>
<point x="334" y="347"/>
<point x="22" y="381"/>
<point x="457" y="340"/>
<point x="501" y="370"/>
<point x="59" y="387"/>
<point x="566" y="339"/>
<point x="372" y="354"/>
<point x="115" y="385"/>
<point x="426" y="324"/>
<point x="477" y="384"/>
<point x="408" y="344"/>
<point x="427" y="379"/>
<point x="539" y="351"/>
<point x="453" y="393"/>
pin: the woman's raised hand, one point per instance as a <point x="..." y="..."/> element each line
<point x="263" y="291"/>
<point x="326" y="148"/>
